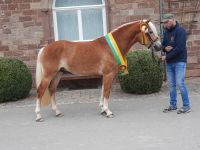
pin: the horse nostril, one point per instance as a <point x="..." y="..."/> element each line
<point x="157" y="47"/>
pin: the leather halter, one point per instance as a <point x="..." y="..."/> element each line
<point x="146" y="36"/>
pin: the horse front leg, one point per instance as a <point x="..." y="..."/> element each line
<point x="107" y="82"/>
<point x="54" y="107"/>
<point x="101" y="101"/>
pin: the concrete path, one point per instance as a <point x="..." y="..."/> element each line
<point x="139" y="123"/>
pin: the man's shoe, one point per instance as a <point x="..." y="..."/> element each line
<point x="184" y="110"/>
<point x="169" y="109"/>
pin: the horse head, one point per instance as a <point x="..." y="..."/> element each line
<point x="149" y="35"/>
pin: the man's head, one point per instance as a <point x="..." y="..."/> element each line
<point x="168" y="21"/>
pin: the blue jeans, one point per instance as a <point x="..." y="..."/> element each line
<point x="176" y="76"/>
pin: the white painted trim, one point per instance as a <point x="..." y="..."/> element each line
<point x="78" y="7"/>
<point x="104" y="21"/>
<point x="55" y="26"/>
<point x="80" y="26"/>
<point x="54" y="2"/>
<point x="55" y="23"/>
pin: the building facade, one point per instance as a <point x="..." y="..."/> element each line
<point x="28" y="25"/>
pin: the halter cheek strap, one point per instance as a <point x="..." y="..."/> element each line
<point x="122" y="62"/>
<point x="144" y="37"/>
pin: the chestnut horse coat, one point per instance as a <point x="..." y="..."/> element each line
<point x="88" y="58"/>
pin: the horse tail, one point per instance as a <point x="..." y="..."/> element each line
<point x="45" y="100"/>
<point x="38" y="76"/>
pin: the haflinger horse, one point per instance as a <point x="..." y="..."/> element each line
<point x="104" y="56"/>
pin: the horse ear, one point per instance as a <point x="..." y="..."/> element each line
<point x="148" y="21"/>
<point x="144" y="25"/>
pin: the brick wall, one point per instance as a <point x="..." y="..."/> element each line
<point x="23" y="30"/>
<point x="123" y="11"/>
<point x="26" y="26"/>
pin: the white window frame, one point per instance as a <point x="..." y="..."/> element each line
<point x="79" y="17"/>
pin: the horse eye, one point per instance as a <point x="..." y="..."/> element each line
<point x="150" y="32"/>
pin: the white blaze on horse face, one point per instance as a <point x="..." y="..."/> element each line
<point x="158" y="42"/>
<point x="153" y="28"/>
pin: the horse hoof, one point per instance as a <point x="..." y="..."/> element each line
<point x="103" y="113"/>
<point x="39" y="120"/>
<point x="59" y="115"/>
<point x="110" y="116"/>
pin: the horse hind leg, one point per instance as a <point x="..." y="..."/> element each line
<point x="52" y="89"/>
<point x="38" y="111"/>
<point x="40" y="92"/>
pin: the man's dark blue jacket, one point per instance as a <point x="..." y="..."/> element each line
<point x="175" y="37"/>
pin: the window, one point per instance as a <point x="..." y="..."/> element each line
<point x="79" y="20"/>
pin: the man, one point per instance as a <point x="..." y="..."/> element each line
<point x="174" y="45"/>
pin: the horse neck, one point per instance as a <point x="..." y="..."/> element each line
<point x="126" y="36"/>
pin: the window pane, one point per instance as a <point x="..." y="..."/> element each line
<point x="67" y="25"/>
<point x="67" y="3"/>
<point x="92" y="23"/>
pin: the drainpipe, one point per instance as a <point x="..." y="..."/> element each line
<point x="161" y="16"/>
<point x="161" y="36"/>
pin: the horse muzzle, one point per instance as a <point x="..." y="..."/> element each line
<point x="156" y="46"/>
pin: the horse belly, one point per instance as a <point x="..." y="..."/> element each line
<point x="85" y="63"/>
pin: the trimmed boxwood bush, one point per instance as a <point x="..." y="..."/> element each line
<point x="15" y="80"/>
<point x="145" y="73"/>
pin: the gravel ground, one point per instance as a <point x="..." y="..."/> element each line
<point x="139" y="122"/>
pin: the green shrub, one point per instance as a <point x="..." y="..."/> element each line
<point x="145" y="73"/>
<point x="15" y="80"/>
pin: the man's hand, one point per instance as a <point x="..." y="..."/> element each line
<point x="168" y="48"/>
<point x="163" y="58"/>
